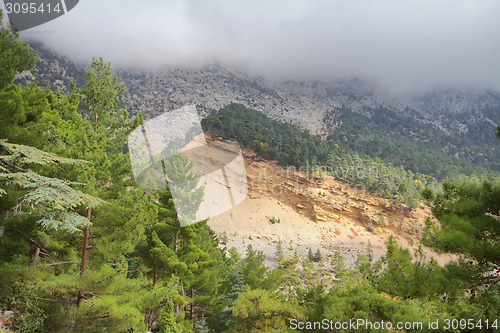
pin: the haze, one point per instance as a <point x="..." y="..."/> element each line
<point x="403" y="45"/>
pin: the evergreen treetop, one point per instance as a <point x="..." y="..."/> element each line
<point x="54" y="199"/>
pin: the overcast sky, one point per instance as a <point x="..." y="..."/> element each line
<point x="402" y="44"/>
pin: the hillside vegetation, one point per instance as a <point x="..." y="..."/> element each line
<point x="403" y="141"/>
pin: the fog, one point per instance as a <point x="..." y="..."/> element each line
<point x="403" y="45"/>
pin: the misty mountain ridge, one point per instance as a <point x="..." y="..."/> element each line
<point x="467" y="118"/>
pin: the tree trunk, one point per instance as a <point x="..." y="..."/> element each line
<point x="183" y="294"/>
<point x="150" y="318"/>
<point x="86" y="235"/>
<point x="177" y="309"/>
<point x="83" y="269"/>
<point x="192" y="305"/>
<point x="155" y="275"/>
<point x="37" y="255"/>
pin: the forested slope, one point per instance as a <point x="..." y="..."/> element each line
<point x="397" y="176"/>
<point x="402" y="140"/>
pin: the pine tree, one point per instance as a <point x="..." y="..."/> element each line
<point x="310" y="255"/>
<point x="160" y="256"/>
<point x="369" y="251"/>
<point x="167" y="320"/>
<point x="207" y="277"/>
<point x="183" y="184"/>
<point x="201" y="326"/>
<point x="189" y="254"/>
<point x="469" y="223"/>
<point x="406" y="277"/>
<point x="253" y="268"/>
<point x="363" y="265"/>
<point x="16" y="56"/>
<point x="105" y="130"/>
<point x="99" y="137"/>
<point x="226" y="318"/>
<point x="318" y="256"/>
<point x="338" y="263"/>
<point x="261" y="310"/>
<point x="279" y="251"/>
<point x="29" y="114"/>
<point x="53" y="199"/>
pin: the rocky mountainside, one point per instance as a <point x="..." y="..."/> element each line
<point x="456" y="123"/>
<point x="303" y="103"/>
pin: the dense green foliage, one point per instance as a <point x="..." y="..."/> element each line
<point x="469" y="216"/>
<point x="16" y="56"/>
<point x="143" y="271"/>
<point x="419" y="147"/>
<point x="53" y="199"/>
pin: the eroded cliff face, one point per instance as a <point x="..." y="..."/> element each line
<point x="311" y="211"/>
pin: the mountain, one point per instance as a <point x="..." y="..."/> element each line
<point x="449" y="123"/>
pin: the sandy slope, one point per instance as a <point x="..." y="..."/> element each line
<point x="317" y="213"/>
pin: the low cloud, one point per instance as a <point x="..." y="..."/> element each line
<point x="403" y="45"/>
